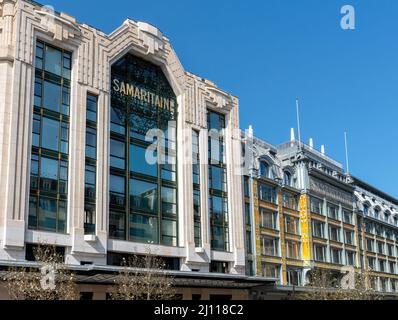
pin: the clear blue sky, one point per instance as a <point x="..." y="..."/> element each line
<point x="267" y="52"/>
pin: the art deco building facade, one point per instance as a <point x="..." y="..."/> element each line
<point x="75" y="109"/>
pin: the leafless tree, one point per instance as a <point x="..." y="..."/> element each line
<point x="50" y="280"/>
<point x="143" y="278"/>
<point x="326" y="285"/>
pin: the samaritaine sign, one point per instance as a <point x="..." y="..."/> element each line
<point x="130" y="89"/>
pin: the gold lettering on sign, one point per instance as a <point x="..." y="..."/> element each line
<point x="142" y="94"/>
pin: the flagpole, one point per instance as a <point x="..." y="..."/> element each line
<point x="298" y="121"/>
<point x="346" y="152"/>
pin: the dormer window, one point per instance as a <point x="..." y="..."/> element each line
<point x="376" y="213"/>
<point x="287" y="178"/>
<point x="264" y="169"/>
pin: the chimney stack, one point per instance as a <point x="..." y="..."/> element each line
<point x="292" y="135"/>
<point x="250" y="131"/>
<point x="311" y="143"/>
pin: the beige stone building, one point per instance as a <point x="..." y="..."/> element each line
<point x="75" y="106"/>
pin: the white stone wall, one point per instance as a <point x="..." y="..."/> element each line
<point x="21" y="23"/>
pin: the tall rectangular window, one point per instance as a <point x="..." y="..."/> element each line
<point x="370" y="245"/>
<point x="334" y="233"/>
<point x="316" y="205"/>
<point x="318" y="229"/>
<point x="91" y="164"/>
<point x="292" y="224"/>
<point x="218" y="197"/>
<point x="289" y="201"/>
<point x="248" y="214"/>
<point x="269" y="246"/>
<point x="348" y="216"/>
<point x="333" y="211"/>
<point x="268" y="219"/>
<point x="267" y="193"/>
<point x="349" y="237"/>
<point x="320" y="253"/>
<point x="270" y="270"/>
<point x="246" y="188"/>
<point x="380" y="247"/>
<point x="350" y="258"/>
<point x="50" y="140"/>
<point x="372" y="263"/>
<point x="196" y="189"/>
<point x="293" y="249"/>
<point x="335" y="255"/>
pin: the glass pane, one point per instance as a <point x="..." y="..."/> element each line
<point x="196" y="203"/>
<point x="48" y="214"/>
<point x="65" y="100"/>
<point x="91" y="153"/>
<point x="143" y="195"/>
<point x="169" y="195"/>
<point x="34" y="166"/>
<point x="32" y="220"/>
<point x="62" y="217"/>
<point x="67" y="60"/>
<point x="117" y="225"/>
<point x="218" y="210"/>
<point x="91" y="103"/>
<point x="90" y="174"/>
<point x="167" y="174"/>
<point x="65" y="131"/>
<point x="66" y="73"/>
<point x="36" y="124"/>
<point x="91" y="108"/>
<point x="50" y="134"/>
<point x="116" y="121"/>
<point x="143" y="228"/>
<point x="92" y="116"/>
<point x="169" y="232"/>
<point x="91" y="137"/>
<point x="38" y="87"/>
<point x="217" y="238"/>
<point x="116" y="184"/>
<point x="63" y="173"/>
<point x="52" y="96"/>
<point x="53" y="60"/>
<point x="217" y="178"/>
<point x="117" y="150"/>
<point x="39" y="63"/>
<point x="215" y="121"/>
<point x="141" y="163"/>
<point x="141" y="125"/>
<point x="49" y="174"/>
<point x="117" y="190"/>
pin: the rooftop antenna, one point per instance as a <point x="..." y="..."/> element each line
<point x="346" y="152"/>
<point x="298" y="122"/>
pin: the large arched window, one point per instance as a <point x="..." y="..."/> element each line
<point x="264" y="169"/>
<point x="143" y="195"/>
